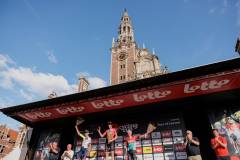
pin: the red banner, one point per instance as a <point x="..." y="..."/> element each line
<point x="197" y="86"/>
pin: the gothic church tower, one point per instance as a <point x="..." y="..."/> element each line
<point x="128" y="62"/>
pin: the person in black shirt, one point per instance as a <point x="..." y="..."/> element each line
<point x="192" y="147"/>
<point x="54" y="151"/>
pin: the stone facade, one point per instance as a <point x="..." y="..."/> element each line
<point x="128" y="61"/>
<point x="83" y="84"/>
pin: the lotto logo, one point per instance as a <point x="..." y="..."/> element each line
<point x="119" y="152"/>
<point x="157" y="149"/>
<point x="139" y="150"/>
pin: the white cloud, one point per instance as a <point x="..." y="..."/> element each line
<point x="51" y="57"/>
<point x="84" y="74"/>
<point x="25" y="95"/>
<point x="40" y="84"/>
<point x="5" y="102"/>
<point x="96" y="82"/>
<point x="5" y="82"/>
<point x="30" y="84"/>
<point x="5" y="60"/>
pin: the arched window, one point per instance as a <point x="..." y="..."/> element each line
<point x="124" y="28"/>
<point x="128" y="29"/>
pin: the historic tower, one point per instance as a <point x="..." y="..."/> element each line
<point x="128" y="62"/>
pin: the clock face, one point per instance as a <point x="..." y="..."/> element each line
<point x="122" y="56"/>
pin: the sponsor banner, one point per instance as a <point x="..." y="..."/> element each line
<point x="146" y="143"/>
<point x="179" y="147"/>
<point x="119" y="145"/>
<point x="156" y="142"/>
<point x="94" y="147"/>
<point x="139" y="150"/>
<point x="170" y="124"/>
<point x="119" y="152"/>
<point x="158" y="149"/>
<point x="119" y="139"/>
<point x="214" y="83"/>
<point x="102" y="140"/>
<point x="101" y="154"/>
<point x="158" y="156"/>
<point x="147" y="150"/>
<point x="168" y="148"/>
<point x="128" y="126"/>
<point x="101" y="147"/>
<point x="138" y="144"/>
<point x="177" y="133"/>
<point x="181" y="155"/>
<point x="148" y="157"/>
<point x="139" y="157"/>
<point x="167" y="141"/>
<point x="150" y="146"/>
<point x="47" y="138"/>
<point x="169" y="156"/>
<point x="166" y="134"/>
<point x="178" y="140"/>
<point x="118" y="158"/>
<point x="95" y="141"/>
<point x="227" y="122"/>
<point x="156" y="135"/>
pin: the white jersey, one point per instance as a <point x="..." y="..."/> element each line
<point x="70" y="153"/>
<point x="86" y="142"/>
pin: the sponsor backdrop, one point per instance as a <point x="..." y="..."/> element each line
<point x="164" y="143"/>
<point x="227" y="122"/>
<point x="46" y="139"/>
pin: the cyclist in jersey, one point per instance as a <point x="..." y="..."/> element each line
<point x="111" y="134"/>
<point x="131" y="144"/>
<point x="86" y="144"/>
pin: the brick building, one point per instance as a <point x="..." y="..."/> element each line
<point x="8" y="138"/>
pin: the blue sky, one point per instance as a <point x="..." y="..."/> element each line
<point x="45" y="45"/>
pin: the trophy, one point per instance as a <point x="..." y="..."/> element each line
<point x="151" y="127"/>
<point x="79" y="121"/>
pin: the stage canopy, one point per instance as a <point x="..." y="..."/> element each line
<point x="208" y="79"/>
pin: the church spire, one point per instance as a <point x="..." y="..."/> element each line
<point x="125" y="13"/>
<point x="125" y="34"/>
